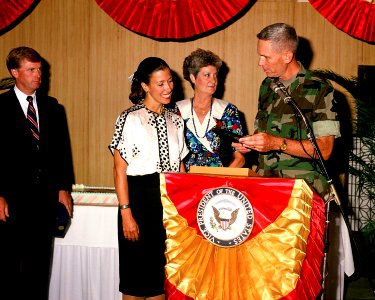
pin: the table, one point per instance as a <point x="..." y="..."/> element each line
<point x="85" y="261"/>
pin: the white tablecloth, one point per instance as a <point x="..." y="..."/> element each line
<point x="85" y="262"/>
<point x="340" y="257"/>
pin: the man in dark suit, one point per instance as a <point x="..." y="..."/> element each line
<point x="35" y="174"/>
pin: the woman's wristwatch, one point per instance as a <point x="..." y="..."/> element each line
<point x="124" y="206"/>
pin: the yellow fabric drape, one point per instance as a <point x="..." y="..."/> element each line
<point x="266" y="266"/>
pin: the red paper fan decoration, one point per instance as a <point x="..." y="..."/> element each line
<point x="11" y="10"/>
<point x="171" y="19"/>
<point x="355" y="17"/>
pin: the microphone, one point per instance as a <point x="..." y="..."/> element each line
<point x="281" y="90"/>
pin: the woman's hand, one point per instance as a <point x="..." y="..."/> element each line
<point x="238" y="160"/>
<point x="241" y="148"/>
<point x="129" y="225"/>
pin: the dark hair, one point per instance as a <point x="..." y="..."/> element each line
<point x="143" y="74"/>
<point x="198" y="59"/>
<point x="17" y="55"/>
<point x="281" y="35"/>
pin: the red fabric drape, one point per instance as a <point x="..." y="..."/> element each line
<point x="171" y="19"/>
<point x="270" y="199"/>
<point x="355" y="17"/>
<point x="11" y="10"/>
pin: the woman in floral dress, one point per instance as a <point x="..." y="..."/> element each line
<point x="203" y="114"/>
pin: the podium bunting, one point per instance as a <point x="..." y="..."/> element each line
<point x="275" y="252"/>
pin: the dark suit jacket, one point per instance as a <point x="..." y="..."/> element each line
<point x="31" y="178"/>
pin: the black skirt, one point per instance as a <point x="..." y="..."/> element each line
<point x="142" y="262"/>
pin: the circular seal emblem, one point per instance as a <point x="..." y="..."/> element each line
<point x="225" y="217"/>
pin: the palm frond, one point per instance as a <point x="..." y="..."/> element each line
<point x="365" y="122"/>
<point x="362" y="161"/>
<point x="349" y="83"/>
<point x="6" y="83"/>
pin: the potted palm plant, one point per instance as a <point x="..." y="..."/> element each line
<point x="6" y="83"/>
<point x="361" y="160"/>
<point x="363" y="167"/>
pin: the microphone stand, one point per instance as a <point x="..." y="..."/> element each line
<point x="281" y="90"/>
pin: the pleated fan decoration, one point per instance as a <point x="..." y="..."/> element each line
<point x="355" y="17"/>
<point x="11" y="10"/>
<point x="171" y="19"/>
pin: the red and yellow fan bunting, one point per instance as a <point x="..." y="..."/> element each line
<point x="280" y="259"/>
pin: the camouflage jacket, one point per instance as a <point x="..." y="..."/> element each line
<point x="314" y="96"/>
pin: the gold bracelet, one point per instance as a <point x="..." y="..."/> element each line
<point x="124" y="206"/>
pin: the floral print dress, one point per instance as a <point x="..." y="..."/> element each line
<point x="207" y="148"/>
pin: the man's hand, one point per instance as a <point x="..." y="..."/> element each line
<point x="265" y="142"/>
<point x="66" y="199"/>
<point x="3" y="209"/>
<point x="261" y="142"/>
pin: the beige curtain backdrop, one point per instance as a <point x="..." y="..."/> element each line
<point x="91" y="57"/>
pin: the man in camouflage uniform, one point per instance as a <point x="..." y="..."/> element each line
<point x="280" y="134"/>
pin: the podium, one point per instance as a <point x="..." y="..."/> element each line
<point x="276" y="253"/>
<point x="279" y="259"/>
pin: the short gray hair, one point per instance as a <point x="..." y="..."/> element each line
<point x="282" y="36"/>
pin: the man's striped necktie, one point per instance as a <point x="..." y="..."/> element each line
<point x="32" y="120"/>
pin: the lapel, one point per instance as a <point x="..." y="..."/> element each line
<point x="14" y="107"/>
<point x="41" y="112"/>
<point x="14" y="120"/>
<point x="17" y="116"/>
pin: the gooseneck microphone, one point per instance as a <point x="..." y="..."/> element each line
<point x="281" y="90"/>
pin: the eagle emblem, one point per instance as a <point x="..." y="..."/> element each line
<point x="225" y="216"/>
